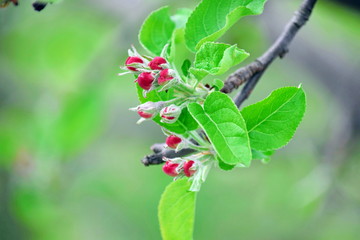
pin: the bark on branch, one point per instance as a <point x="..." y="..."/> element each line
<point x="253" y="72"/>
<point x="160" y="152"/>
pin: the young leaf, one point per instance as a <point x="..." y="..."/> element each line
<point x="212" y="18"/>
<point x="272" y="122"/>
<point x="225" y="127"/>
<point x="178" y="49"/>
<point x="177" y="211"/>
<point x="216" y="58"/>
<point x="184" y="124"/>
<point x="181" y="16"/>
<point x="225" y="166"/>
<point x="156" y="31"/>
<point x="264" y="156"/>
<point x="154" y="96"/>
<point x="185" y="67"/>
<point x="218" y="84"/>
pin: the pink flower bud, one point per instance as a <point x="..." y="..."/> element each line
<point x="170" y="169"/>
<point x="188" y="170"/>
<point x="131" y="60"/>
<point x="156" y="62"/>
<point x="165" y="76"/>
<point x="148" y="109"/>
<point x="144" y="114"/>
<point x="145" y="80"/>
<point x="170" y="113"/>
<point x="173" y="141"/>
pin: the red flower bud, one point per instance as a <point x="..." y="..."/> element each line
<point x="187" y="168"/>
<point x="148" y="110"/>
<point x="145" y="80"/>
<point x="168" y="118"/>
<point x="131" y="60"/>
<point x="144" y="114"/>
<point x="156" y="62"/>
<point x="164" y="77"/>
<point x="170" y="169"/>
<point x="173" y="141"/>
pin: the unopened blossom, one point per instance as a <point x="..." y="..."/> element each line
<point x="165" y="76"/>
<point x="173" y="141"/>
<point x="170" y="168"/>
<point x="132" y="60"/>
<point x="189" y="168"/>
<point x="145" y="80"/>
<point x="148" y="110"/>
<point x="157" y="63"/>
<point x="170" y="114"/>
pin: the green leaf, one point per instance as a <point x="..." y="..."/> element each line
<point x="156" y="31"/>
<point x="184" y="124"/>
<point x="154" y="95"/>
<point x="181" y="16"/>
<point x="272" y="122"/>
<point x="225" y="166"/>
<point x="177" y="211"/>
<point x="212" y="18"/>
<point x="218" y="84"/>
<point x="185" y="67"/>
<point x="225" y="127"/>
<point x="216" y="58"/>
<point x="264" y="156"/>
<point x="178" y="49"/>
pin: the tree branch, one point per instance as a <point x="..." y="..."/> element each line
<point x="160" y="152"/>
<point x="253" y="72"/>
<point x="249" y="74"/>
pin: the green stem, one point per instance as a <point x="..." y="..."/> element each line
<point x="198" y="138"/>
<point x="199" y="148"/>
<point x="183" y="88"/>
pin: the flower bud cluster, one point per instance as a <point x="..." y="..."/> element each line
<point x="156" y="73"/>
<point x="196" y="167"/>
<point x="151" y="72"/>
<point x="148" y="110"/>
<point x="178" y="166"/>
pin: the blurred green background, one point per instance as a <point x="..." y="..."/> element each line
<point x="70" y="150"/>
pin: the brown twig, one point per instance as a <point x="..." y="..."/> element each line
<point x="160" y="152"/>
<point x="252" y="72"/>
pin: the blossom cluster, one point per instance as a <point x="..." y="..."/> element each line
<point x="196" y="167"/>
<point x="157" y="74"/>
<point x="174" y="169"/>
<point x="151" y="72"/>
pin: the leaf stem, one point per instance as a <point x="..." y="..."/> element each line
<point x="198" y="138"/>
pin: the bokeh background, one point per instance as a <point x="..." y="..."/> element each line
<point x="70" y="150"/>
